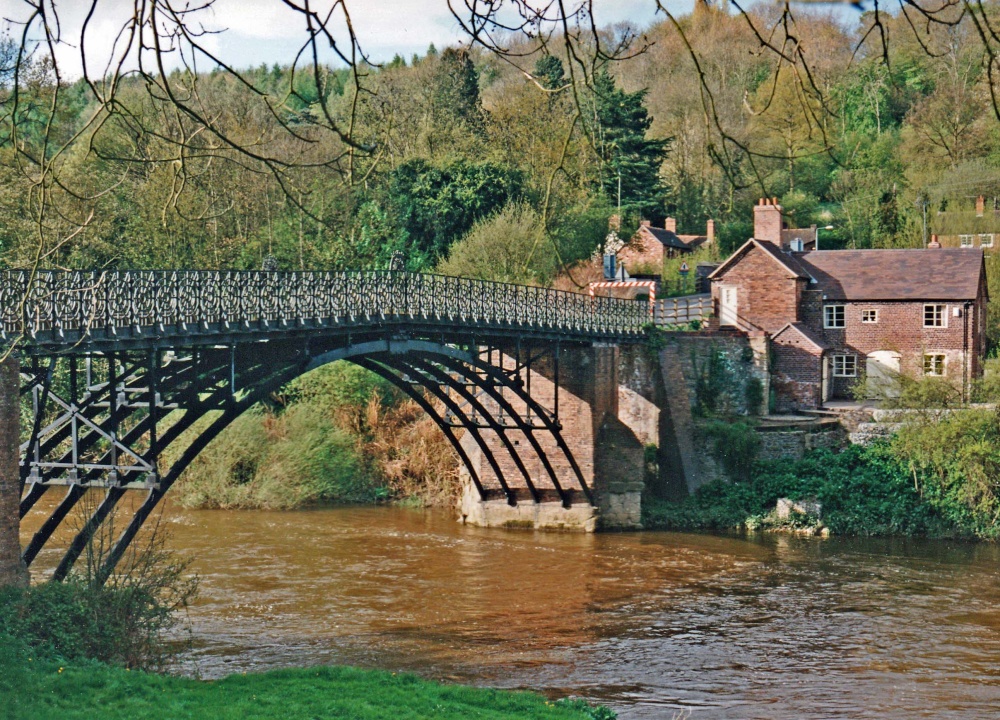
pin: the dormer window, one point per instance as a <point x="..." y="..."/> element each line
<point x="986" y="240"/>
<point x="966" y="240"/>
<point x="834" y="316"/>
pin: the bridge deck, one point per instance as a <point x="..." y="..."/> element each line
<point x="63" y="311"/>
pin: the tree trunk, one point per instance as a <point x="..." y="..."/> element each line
<point x="11" y="570"/>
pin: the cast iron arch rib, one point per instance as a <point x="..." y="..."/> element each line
<point x="468" y="424"/>
<point x="228" y="382"/>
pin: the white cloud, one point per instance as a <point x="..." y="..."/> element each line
<point x="267" y="31"/>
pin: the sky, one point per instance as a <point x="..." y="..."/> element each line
<point x="265" y="31"/>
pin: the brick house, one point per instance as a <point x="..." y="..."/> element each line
<point x="650" y="246"/>
<point x="836" y="316"/>
<point x="966" y="226"/>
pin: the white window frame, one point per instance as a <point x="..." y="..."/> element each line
<point x="845" y="365"/>
<point x="937" y="368"/>
<point x="869" y="316"/>
<point x="940" y="320"/>
<point x="966" y="240"/>
<point x="830" y="317"/>
<point x="986" y="240"/>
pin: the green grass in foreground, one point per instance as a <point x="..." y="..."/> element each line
<point x="32" y="688"/>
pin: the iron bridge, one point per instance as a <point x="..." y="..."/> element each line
<point x="122" y="369"/>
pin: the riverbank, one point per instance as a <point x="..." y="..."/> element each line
<point x="37" y="688"/>
<point x="866" y="492"/>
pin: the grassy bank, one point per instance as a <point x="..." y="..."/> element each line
<point x="73" y="650"/>
<point x="33" y="688"/>
<point x="862" y="491"/>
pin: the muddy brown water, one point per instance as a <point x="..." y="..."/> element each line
<point x="653" y="624"/>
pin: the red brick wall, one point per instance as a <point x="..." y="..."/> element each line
<point x="796" y="373"/>
<point x="767" y="296"/>
<point x="642" y="250"/>
<point x="899" y="329"/>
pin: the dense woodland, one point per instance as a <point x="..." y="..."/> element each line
<point x="439" y="143"/>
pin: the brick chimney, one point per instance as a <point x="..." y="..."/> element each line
<point x="670" y="224"/>
<point x="767" y="220"/>
<point x="933" y="244"/>
<point x="710" y="231"/>
<point x="615" y="223"/>
<point x="980" y="206"/>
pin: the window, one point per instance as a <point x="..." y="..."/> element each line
<point x="965" y="240"/>
<point x="934" y="364"/>
<point x="869" y="316"/>
<point x="833" y="316"/>
<point x="935" y="316"/>
<point x="845" y="366"/>
<point x="986" y="240"/>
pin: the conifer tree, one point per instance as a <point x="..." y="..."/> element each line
<point x="550" y="72"/>
<point x="622" y="122"/>
<point x="456" y="92"/>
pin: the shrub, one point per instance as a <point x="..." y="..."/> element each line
<point x="863" y="491"/>
<point x="734" y="445"/>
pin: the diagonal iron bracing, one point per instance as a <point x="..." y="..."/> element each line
<point x="121" y="370"/>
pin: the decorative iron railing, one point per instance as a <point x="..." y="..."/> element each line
<point x="53" y="306"/>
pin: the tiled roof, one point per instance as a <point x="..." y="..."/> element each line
<point x="805" y="332"/>
<point x="667" y="238"/>
<point x="932" y="274"/>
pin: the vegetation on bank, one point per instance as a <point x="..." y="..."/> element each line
<point x="77" y="650"/>
<point x="938" y="476"/>
<point x="37" y="687"/>
<point x="339" y="434"/>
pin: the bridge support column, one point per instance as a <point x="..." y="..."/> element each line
<point x="12" y="570"/>
<point x="606" y="454"/>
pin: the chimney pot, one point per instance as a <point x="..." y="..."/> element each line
<point x="980" y="206"/>
<point x="710" y="230"/>
<point x="934" y="242"/>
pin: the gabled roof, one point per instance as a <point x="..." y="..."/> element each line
<point x="666" y="238"/>
<point x="787" y="262"/>
<point x="931" y="274"/>
<point x="805" y="332"/>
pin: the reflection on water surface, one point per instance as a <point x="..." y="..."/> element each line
<point x="649" y="623"/>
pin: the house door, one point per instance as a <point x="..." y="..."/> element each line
<point x="825" y="375"/>
<point x="728" y="299"/>
<point x="882" y="371"/>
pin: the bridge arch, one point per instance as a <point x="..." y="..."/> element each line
<point x="111" y="434"/>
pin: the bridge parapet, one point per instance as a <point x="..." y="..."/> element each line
<point x="134" y="306"/>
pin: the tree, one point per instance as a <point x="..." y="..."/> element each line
<point x="456" y="89"/>
<point x="435" y="206"/>
<point x="631" y="161"/>
<point x="550" y="71"/>
<point x="497" y="246"/>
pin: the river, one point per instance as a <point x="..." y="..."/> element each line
<point x="653" y="624"/>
